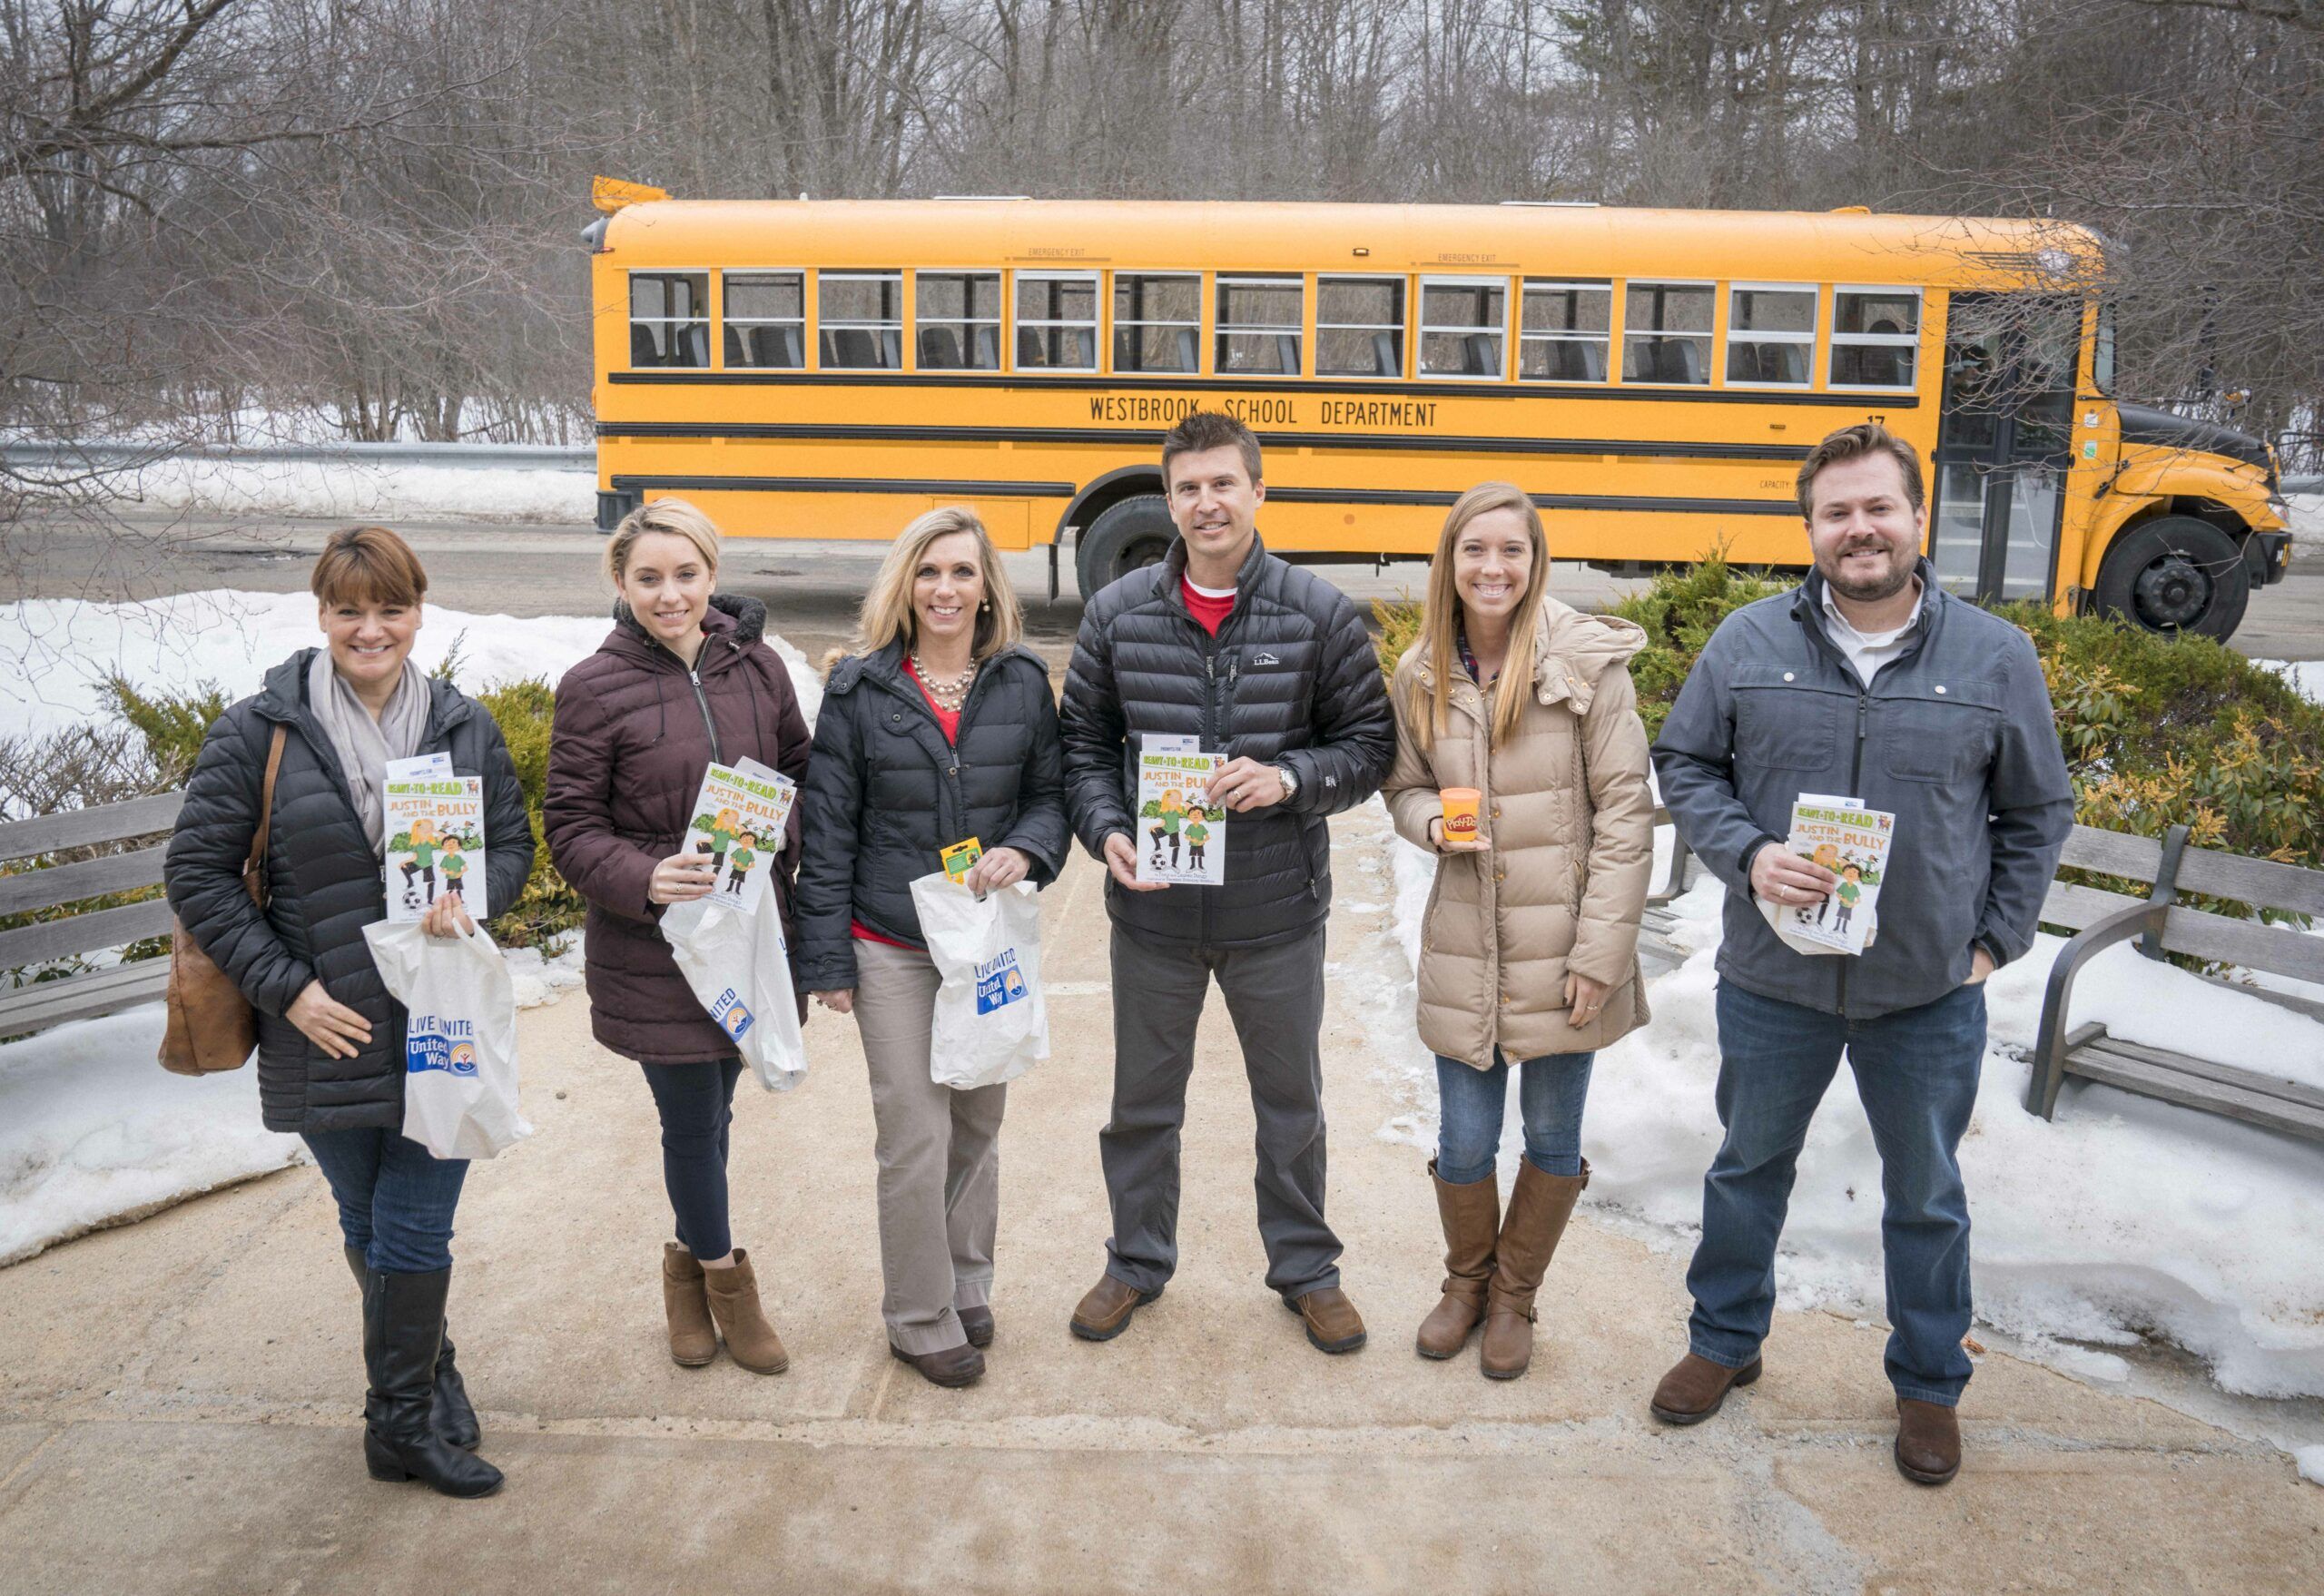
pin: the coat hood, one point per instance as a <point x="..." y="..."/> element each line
<point x="1572" y="650"/>
<point x="731" y="615"/>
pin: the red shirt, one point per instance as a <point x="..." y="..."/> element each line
<point x="1210" y="613"/>
<point x="949" y="719"/>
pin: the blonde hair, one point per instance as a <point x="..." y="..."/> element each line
<point x="673" y="516"/>
<point x="887" y="613"/>
<point x="1430" y="702"/>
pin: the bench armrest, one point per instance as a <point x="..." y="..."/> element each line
<point x="2050" y="1045"/>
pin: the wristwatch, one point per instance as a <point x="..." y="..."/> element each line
<point x="1290" y="782"/>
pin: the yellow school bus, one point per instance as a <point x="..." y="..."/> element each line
<point x="829" y="369"/>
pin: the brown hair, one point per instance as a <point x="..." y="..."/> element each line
<point x="1853" y="443"/>
<point x="1428" y="706"/>
<point x="1201" y="431"/>
<point x="368" y="564"/>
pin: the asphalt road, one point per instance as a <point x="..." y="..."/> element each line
<point x="810" y="589"/>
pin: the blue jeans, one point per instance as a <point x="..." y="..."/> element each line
<point x="1469" y="1108"/>
<point x="1916" y="1072"/>
<point x="394" y="1197"/>
<point x="696" y="1102"/>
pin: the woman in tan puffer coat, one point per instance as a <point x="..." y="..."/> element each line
<point x="1528" y="948"/>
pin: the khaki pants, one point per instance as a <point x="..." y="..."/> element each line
<point x="939" y="1157"/>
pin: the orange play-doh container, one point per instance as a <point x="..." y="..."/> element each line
<point x="1460" y="813"/>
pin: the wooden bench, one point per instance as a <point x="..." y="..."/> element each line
<point x="2101" y="920"/>
<point x="99" y="991"/>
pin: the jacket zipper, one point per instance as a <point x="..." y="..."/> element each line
<point x="709" y="725"/>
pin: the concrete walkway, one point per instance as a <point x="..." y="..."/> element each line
<point x="179" y="1399"/>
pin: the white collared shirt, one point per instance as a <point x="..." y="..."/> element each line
<point x="1866" y="652"/>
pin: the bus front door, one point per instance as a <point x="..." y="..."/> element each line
<point x="2004" y="443"/>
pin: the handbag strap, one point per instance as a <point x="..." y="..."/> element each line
<point x="254" y="868"/>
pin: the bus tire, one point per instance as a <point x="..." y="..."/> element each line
<point x="2176" y="575"/>
<point x="1124" y="537"/>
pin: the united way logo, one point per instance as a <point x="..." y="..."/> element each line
<point x="732" y="1015"/>
<point x="433" y="1042"/>
<point x="1000" y="982"/>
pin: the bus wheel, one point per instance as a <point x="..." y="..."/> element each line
<point x="1124" y="537"/>
<point x="2176" y="575"/>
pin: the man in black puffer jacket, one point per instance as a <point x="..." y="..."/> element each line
<point x="1274" y="666"/>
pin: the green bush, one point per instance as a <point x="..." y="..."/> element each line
<point x="2157" y="731"/>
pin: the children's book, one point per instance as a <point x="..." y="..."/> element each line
<point x="1181" y="835"/>
<point x="738" y="820"/>
<point x="435" y="843"/>
<point x="1852" y="842"/>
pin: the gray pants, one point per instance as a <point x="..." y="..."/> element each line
<point x="1276" y="997"/>
<point x="939" y="1157"/>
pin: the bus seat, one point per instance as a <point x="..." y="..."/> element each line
<point x="892" y="349"/>
<point x="792" y="340"/>
<point x="644" y="345"/>
<point x="1126" y="348"/>
<point x="1790" y="363"/>
<point x="1593" y="361"/>
<point x="987" y="344"/>
<point x="1286" y="353"/>
<point x="849" y="348"/>
<point x="939" y="349"/>
<point x="1029" y="350"/>
<point x="1186" y="349"/>
<point x="1677" y="360"/>
<point x="697" y="345"/>
<point x="1384" y="360"/>
<point x="1484" y="354"/>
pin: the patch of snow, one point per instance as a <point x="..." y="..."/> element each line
<point x="355" y="489"/>
<point x="2310" y="1459"/>
<point x="2306" y="676"/>
<point x="2123" y="1216"/>
<point x="93" y="1132"/>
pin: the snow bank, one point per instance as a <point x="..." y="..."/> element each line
<point x="357" y="489"/>
<point x="2306" y="676"/>
<point x="55" y="654"/>
<point x="2121" y="1217"/>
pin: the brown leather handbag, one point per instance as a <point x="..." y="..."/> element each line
<point x="212" y="1026"/>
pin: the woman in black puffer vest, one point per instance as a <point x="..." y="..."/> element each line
<point x="330" y="1047"/>
<point x="940" y="727"/>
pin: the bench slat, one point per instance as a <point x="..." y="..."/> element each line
<point x="84" y="933"/>
<point x="2111" y="853"/>
<point x="2255" y="1080"/>
<point x="2279" y="950"/>
<point x="82" y="997"/>
<point x="87" y="878"/>
<point x="2292" y="888"/>
<point x="2075" y="907"/>
<point x="78" y="828"/>
<point x="2173" y="1084"/>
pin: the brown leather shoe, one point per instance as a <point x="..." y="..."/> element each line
<point x="951" y="1368"/>
<point x="1471" y="1216"/>
<point x="733" y="1295"/>
<point x="1695" y="1388"/>
<point x="978" y="1322"/>
<point x="1530" y="1232"/>
<point x="1333" y="1323"/>
<point x="1105" y="1312"/>
<point x="693" y="1339"/>
<point x="1928" y="1442"/>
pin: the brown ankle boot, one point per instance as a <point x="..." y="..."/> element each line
<point x="735" y="1303"/>
<point x="693" y="1339"/>
<point x="1471" y="1216"/>
<point x="1537" y="1211"/>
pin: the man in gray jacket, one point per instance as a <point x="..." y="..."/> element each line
<point x="1868" y="682"/>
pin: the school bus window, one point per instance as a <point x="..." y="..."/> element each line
<point x="1770" y="334"/>
<point x="1875" y="336"/>
<point x="1057" y="322"/>
<point x="1157" y="322"/>
<point x="956" y="320"/>
<point x="1463" y="327"/>
<point x="1359" y="327"/>
<point x="1666" y="332"/>
<point x="669" y="318"/>
<point x="1258" y="325"/>
<point x="765" y="315"/>
<point x="2102" y="355"/>
<point x="860" y="322"/>
<point x="1565" y="330"/>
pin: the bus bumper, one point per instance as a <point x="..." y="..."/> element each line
<point x="2268" y="553"/>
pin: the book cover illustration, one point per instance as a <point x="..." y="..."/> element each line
<point x="435" y="847"/>
<point x="1182" y="836"/>
<point x="1852" y="842"/>
<point x="738" y="820"/>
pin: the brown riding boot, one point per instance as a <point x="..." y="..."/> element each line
<point x="1471" y="1216"/>
<point x="735" y="1303"/>
<point x="1537" y="1211"/>
<point x="693" y="1339"/>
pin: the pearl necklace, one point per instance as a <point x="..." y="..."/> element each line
<point x="949" y="692"/>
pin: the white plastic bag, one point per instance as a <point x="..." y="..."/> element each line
<point x="740" y="969"/>
<point x="460" y="1082"/>
<point x="992" y="1023"/>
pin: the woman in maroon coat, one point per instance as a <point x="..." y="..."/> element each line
<point x="682" y="679"/>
